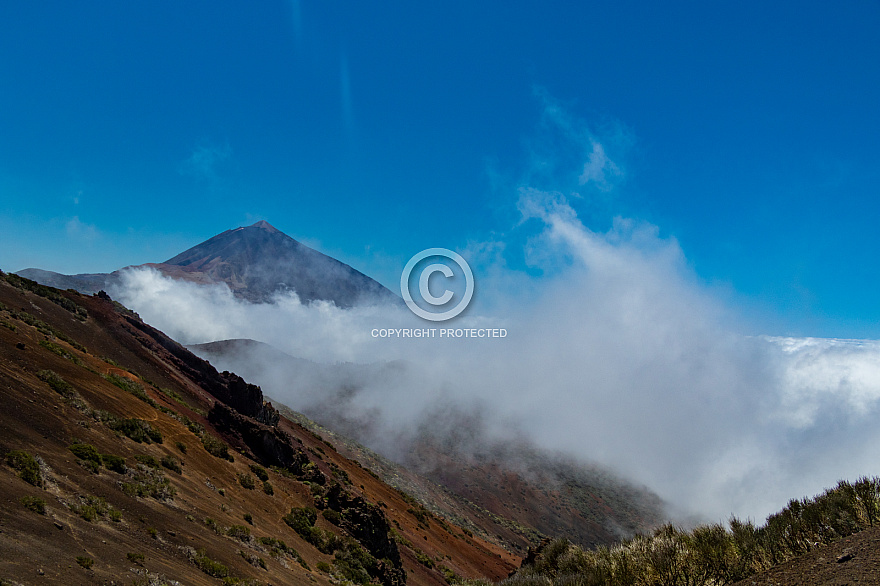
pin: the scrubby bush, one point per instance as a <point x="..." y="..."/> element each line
<point x="713" y="554"/>
<point x="86" y="452"/>
<point x="33" y="503"/>
<point x="61" y="351"/>
<point x="114" y="463"/>
<point x="148" y="460"/>
<point x="56" y="383"/>
<point x="246" y="480"/>
<point x="27" y="466"/>
<point x="85" y="561"/>
<point x="136" y="429"/>
<point x="172" y="464"/>
<point x="130" y="386"/>
<point x="215" y="447"/>
<point x="239" y="532"/>
<point x="268" y="488"/>
<point x="259" y="472"/>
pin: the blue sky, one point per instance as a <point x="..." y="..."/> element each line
<point x="748" y="132"/>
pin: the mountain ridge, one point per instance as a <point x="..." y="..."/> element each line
<point x="256" y="262"/>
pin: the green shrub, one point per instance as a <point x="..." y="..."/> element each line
<point x="147" y="482"/>
<point x="323" y="567"/>
<point x="114" y="463"/>
<point x="130" y="386"/>
<point x="240" y="532"/>
<point x="181" y="446"/>
<point x="249" y="518"/>
<point x="27" y="466"/>
<point x="33" y="503"/>
<point x="332" y="516"/>
<point x="85" y="562"/>
<point x="86" y="452"/>
<point x="9" y="325"/>
<point x="215" y="447"/>
<point x="172" y="464"/>
<point x="268" y="488"/>
<point x="136" y="429"/>
<point x="87" y="512"/>
<point x="209" y="566"/>
<point x="148" y="460"/>
<point x="259" y="472"/>
<point x="246" y="480"/>
<point x="61" y="351"/>
<point x="115" y="515"/>
<point x="56" y="383"/>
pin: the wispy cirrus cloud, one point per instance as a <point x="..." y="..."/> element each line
<point x="205" y="162"/>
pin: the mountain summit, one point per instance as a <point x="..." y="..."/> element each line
<point x="256" y="262"/>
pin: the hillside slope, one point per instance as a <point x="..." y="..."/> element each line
<point x="116" y="469"/>
<point x="512" y="492"/>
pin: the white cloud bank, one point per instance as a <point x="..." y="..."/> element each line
<point x="620" y="356"/>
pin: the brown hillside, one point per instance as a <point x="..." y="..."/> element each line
<point x="204" y="522"/>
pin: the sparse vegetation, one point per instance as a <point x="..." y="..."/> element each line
<point x="181" y="446"/>
<point x="239" y="532"/>
<point x="130" y="386"/>
<point x="134" y="429"/>
<point x="148" y="460"/>
<point x="172" y="464"/>
<point x="86" y="452"/>
<point x="58" y="384"/>
<point x="135" y="558"/>
<point x="61" y="351"/>
<point x="114" y="463"/>
<point x="253" y="559"/>
<point x="302" y="520"/>
<point x="27" y="466"/>
<point x="85" y="561"/>
<point x="215" y="447"/>
<point x="333" y="516"/>
<point x="714" y="554"/>
<point x="246" y="480"/>
<point x="33" y="503"/>
<point x="144" y="481"/>
<point x="268" y="488"/>
<point x="44" y="328"/>
<point x="48" y="292"/>
<point x="249" y="518"/>
<point x="259" y="472"/>
<point x="212" y="525"/>
<point x="207" y="565"/>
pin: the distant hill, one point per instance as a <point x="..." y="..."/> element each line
<point x="256" y="262"/>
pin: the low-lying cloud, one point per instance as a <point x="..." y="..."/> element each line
<point x="618" y="355"/>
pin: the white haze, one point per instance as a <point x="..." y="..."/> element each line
<point x="619" y="356"/>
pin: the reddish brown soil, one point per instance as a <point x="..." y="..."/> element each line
<point x="37" y="548"/>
